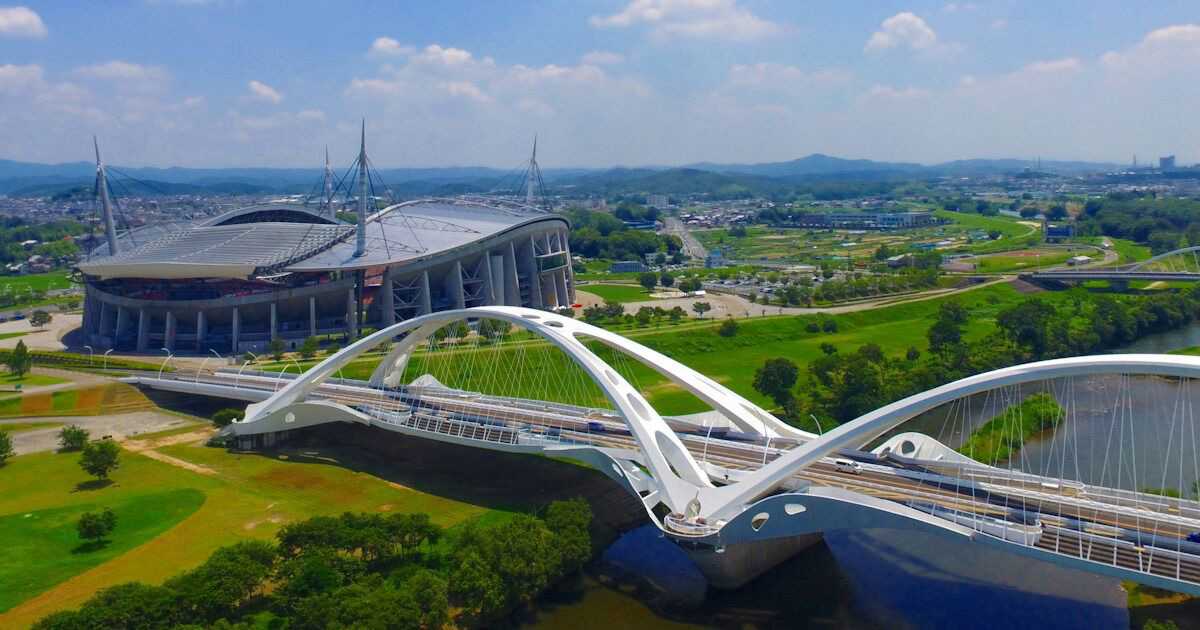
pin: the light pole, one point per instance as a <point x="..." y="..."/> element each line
<point x="106" y="352"/>
<point x="91" y="353"/>
<point x="164" y="363"/>
<point x="239" y="374"/>
<point x="819" y="430"/>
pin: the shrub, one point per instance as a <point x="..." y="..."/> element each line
<point x="728" y="328"/>
<point x="829" y="326"/>
<point x="72" y="438"/>
<point x="225" y="417"/>
<point x="6" y="447"/>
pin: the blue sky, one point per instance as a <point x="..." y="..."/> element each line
<point x="603" y="82"/>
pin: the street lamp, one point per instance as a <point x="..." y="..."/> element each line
<point x="819" y="430"/>
<point x="106" y="353"/>
<point x="91" y="353"/>
<point x="164" y="363"/>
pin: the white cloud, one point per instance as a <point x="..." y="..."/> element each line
<point x="903" y="30"/>
<point x="602" y="58"/>
<point x="434" y="53"/>
<point x="465" y="89"/>
<point x="1160" y="48"/>
<point x="14" y="78"/>
<point x="1068" y="64"/>
<point x="21" y="22"/>
<point x="956" y="7"/>
<point x="388" y="47"/>
<point x="781" y="75"/>
<point x="260" y="91"/>
<point x="703" y="19"/>
<point x="999" y="24"/>
<point x="893" y="93"/>
<point x="123" y="72"/>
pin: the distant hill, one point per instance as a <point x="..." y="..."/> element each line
<point x="815" y="164"/>
<point x="720" y="180"/>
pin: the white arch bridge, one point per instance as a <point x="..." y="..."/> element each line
<point x="740" y="483"/>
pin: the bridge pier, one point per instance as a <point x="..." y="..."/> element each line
<point x="732" y="566"/>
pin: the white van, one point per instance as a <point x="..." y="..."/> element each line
<point x="847" y="466"/>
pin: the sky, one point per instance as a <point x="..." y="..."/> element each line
<point x="220" y="83"/>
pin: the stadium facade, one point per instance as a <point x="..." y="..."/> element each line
<point x="234" y="282"/>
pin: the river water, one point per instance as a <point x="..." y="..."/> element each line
<point x="1122" y="433"/>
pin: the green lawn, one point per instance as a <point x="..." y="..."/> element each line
<point x="35" y="282"/>
<point x="534" y="369"/>
<point x="11" y="335"/>
<point x="617" y="292"/>
<point x="42" y="547"/>
<point x="1018" y="261"/>
<point x="8" y="380"/>
<point x="169" y="519"/>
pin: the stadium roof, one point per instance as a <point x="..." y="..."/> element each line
<point x="234" y="245"/>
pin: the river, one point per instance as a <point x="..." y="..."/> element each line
<point x="877" y="578"/>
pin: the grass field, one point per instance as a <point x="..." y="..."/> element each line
<point x="537" y="370"/>
<point x="86" y="401"/>
<point x="9" y="380"/>
<point x="169" y="518"/>
<point x="35" y="282"/>
<point x="617" y="292"/>
<point x="1021" y="260"/>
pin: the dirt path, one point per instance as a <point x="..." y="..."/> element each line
<point x="147" y="448"/>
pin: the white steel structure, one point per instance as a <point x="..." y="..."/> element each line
<point x="724" y="499"/>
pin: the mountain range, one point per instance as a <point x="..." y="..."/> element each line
<point x="33" y="179"/>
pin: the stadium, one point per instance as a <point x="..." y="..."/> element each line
<point x="234" y="282"/>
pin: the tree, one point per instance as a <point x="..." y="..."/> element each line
<point x="1057" y="212"/>
<point x="39" y="318"/>
<point x="100" y="458"/>
<point x="648" y="280"/>
<point x="94" y="527"/>
<point x="309" y="348"/>
<point x="666" y="279"/>
<point x="829" y="325"/>
<point x="1029" y="212"/>
<point x="728" y="328"/>
<point x="225" y="417"/>
<point x="676" y="314"/>
<point x="229" y="577"/>
<point x="276" y="348"/>
<point x="492" y="329"/>
<point x="72" y="438"/>
<point x="19" y="361"/>
<point x="701" y="308"/>
<point x="644" y="315"/>
<point x="570" y="520"/>
<point x="775" y="380"/>
<point x="6" y="447"/>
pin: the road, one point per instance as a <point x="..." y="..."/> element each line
<point x="691" y="246"/>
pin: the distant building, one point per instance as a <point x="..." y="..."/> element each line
<point x="641" y="225"/>
<point x="868" y="220"/>
<point x="657" y="201"/>
<point x="1079" y="260"/>
<point x="1166" y="163"/>
<point x="626" y="266"/>
<point x="1057" y="232"/>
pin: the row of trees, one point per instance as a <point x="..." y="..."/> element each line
<point x="602" y="235"/>
<point x="844" y="385"/>
<point x="358" y="571"/>
<point x="1163" y="223"/>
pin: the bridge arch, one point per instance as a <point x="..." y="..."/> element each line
<point x="1183" y="250"/>
<point x="677" y="475"/>
<point x="728" y="501"/>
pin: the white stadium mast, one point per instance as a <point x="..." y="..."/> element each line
<point x="110" y="230"/>
<point x="360" y="247"/>
<point x="327" y="187"/>
<point x="534" y="187"/>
